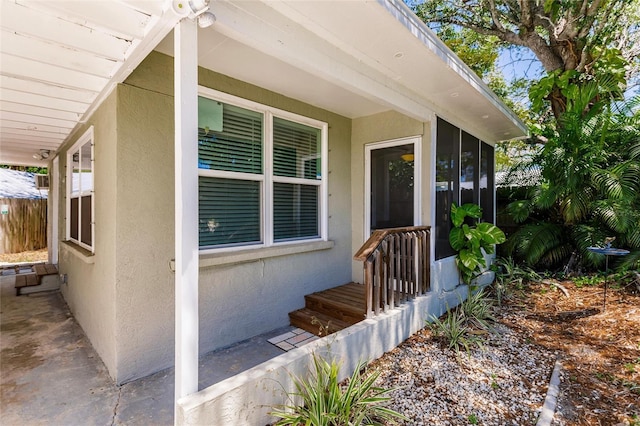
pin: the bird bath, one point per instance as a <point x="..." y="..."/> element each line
<point x="607" y="250"/>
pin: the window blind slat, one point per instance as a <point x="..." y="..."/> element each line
<point x="238" y="147"/>
<point x="296" y="150"/>
<point x="229" y="211"/>
<point x="295" y="211"/>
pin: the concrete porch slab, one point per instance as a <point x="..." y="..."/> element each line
<point x="51" y="375"/>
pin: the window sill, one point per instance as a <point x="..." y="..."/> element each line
<point x="81" y="253"/>
<point x="252" y="255"/>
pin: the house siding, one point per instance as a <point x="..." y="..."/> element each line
<point x="90" y="288"/>
<point x="134" y="291"/>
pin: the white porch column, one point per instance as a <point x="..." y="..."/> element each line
<point x="186" y="207"/>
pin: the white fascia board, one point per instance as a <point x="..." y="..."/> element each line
<point x="421" y="31"/>
<point x="158" y="28"/>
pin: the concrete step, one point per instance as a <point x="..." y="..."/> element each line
<point x="45" y="279"/>
<point x="47" y="283"/>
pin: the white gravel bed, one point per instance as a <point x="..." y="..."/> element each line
<point x="502" y="383"/>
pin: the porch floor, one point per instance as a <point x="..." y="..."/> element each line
<point x="50" y="374"/>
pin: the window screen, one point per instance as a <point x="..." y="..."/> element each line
<point x="447" y="183"/>
<point x="487" y="182"/>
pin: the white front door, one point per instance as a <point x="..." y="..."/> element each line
<point x="392" y="184"/>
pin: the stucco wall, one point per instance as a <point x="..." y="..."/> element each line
<point x="237" y="301"/>
<point x="144" y="232"/>
<point x="382" y="127"/>
<point x="90" y="289"/>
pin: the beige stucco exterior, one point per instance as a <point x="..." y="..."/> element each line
<point x="382" y="127"/>
<point x="123" y="296"/>
<point x="90" y="287"/>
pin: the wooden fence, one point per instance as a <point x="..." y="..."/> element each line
<point x="23" y="225"/>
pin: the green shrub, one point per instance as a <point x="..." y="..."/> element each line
<point x="477" y="310"/>
<point x="510" y="277"/>
<point x="454" y="331"/>
<point x="325" y="402"/>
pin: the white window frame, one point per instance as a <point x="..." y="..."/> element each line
<point x="267" y="178"/>
<point x="87" y="137"/>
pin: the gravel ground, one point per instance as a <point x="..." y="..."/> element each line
<point x="502" y="383"/>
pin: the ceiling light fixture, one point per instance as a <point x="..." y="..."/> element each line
<point x="206" y="19"/>
<point x="191" y="8"/>
<point x="42" y="155"/>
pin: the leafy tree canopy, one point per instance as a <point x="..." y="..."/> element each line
<point x="574" y="40"/>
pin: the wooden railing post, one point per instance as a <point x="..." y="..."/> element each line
<point x="396" y="266"/>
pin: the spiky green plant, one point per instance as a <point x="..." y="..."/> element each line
<point x="478" y="310"/>
<point x="590" y="188"/>
<point x="453" y="330"/>
<point x="323" y="401"/>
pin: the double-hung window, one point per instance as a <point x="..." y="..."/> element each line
<point x="261" y="179"/>
<point x="80" y="222"/>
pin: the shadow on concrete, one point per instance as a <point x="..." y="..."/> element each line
<point x="51" y="375"/>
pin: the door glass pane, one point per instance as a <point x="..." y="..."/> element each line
<point x="229" y="211"/>
<point x="392" y="180"/>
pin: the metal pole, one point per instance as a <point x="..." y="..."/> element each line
<point x="606" y="280"/>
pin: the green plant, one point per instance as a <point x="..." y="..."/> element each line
<point x="473" y="419"/>
<point x="470" y="239"/>
<point x="589" y="188"/>
<point x="453" y="330"/>
<point x="510" y="277"/>
<point x="477" y="310"/>
<point x="588" y="280"/>
<point x="458" y="327"/>
<point x="325" y="402"/>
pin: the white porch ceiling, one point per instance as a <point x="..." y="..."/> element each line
<point x="60" y="59"/>
<point x="355" y="58"/>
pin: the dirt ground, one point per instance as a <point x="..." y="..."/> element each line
<point x="599" y="349"/>
<point x="25" y="256"/>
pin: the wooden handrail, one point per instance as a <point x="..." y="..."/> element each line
<point x="396" y="266"/>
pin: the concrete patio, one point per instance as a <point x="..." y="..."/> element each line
<point x="51" y="375"/>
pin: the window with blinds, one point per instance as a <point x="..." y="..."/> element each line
<point x="80" y="192"/>
<point x="260" y="176"/>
